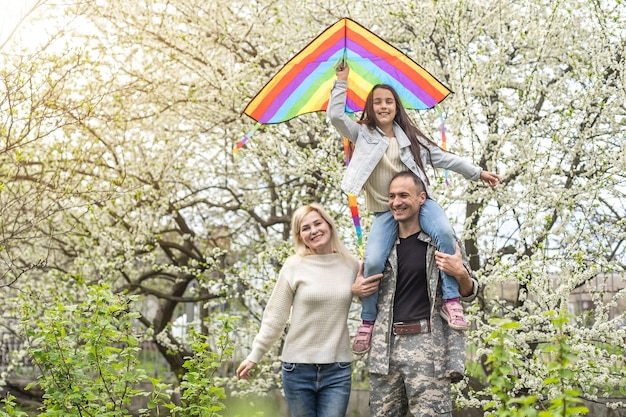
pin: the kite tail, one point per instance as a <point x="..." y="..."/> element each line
<point x="444" y="145"/>
<point x="245" y="139"/>
<point x="354" y="209"/>
<point x="348" y="148"/>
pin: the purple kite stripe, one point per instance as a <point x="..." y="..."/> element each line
<point x="279" y="99"/>
<point x="306" y="92"/>
<point x="352" y="105"/>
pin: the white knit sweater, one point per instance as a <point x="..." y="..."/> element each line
<point x="319" y="288"/>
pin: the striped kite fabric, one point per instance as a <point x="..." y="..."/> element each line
<point x="303" y="84"/>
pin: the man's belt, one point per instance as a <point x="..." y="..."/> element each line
<point x="412" y="327"/>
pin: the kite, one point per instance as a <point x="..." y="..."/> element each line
<point x="303" y="84"/>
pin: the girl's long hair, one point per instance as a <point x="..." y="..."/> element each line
<point x="296" y="222"/>
<point x="403" y="120"/>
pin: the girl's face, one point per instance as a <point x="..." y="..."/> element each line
<point x="384" y="107"/>
<point x="315" y="234"/>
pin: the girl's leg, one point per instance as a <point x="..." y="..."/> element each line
<point x="381" y="239"/>
<point x="368" y="306"/>
<point x="435" y="224"/>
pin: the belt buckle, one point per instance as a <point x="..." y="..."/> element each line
<point x="394" y="327"/>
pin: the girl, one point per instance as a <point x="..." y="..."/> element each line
<point x="386" y="141"/>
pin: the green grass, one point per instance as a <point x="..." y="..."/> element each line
<point x="252" y="406"/>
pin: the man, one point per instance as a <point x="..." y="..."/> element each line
<point x="414" y="355"/>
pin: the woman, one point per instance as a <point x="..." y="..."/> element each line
<point x="386" y="141"/>
<point x="315" y="286"/>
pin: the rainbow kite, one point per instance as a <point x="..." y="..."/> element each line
<point x="303" y="84"/>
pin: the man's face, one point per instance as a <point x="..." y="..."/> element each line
<point x="405" y="200"/>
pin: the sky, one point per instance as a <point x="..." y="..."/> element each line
<point x="11" y="12"/>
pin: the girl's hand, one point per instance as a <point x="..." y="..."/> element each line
<point x="490" y="178"/>
<point x="342" y="70"/>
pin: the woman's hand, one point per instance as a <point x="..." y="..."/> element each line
<point x="363" y="287"/>
<point x="244" y="369"/>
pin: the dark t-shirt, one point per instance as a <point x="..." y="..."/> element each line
<point x="411" y="300"/>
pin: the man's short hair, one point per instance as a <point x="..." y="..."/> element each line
<point x="419" y="184"/>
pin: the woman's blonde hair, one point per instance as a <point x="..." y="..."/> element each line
<point x="296" y="222"/>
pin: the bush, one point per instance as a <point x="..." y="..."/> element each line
<point x="88" y="358"/>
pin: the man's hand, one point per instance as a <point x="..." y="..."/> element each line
<point x="453" y="265"/>
<point x="363" y="287"/>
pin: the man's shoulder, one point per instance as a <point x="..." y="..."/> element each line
<point x="424" y="237"/>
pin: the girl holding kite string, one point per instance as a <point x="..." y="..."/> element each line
<point x="386" y="141"/>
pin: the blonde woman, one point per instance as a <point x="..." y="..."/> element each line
<point x="314" y="288"/>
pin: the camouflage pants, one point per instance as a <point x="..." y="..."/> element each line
<point x="411" y="384"/>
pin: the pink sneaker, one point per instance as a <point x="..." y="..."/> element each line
<point x="361" y="343"/>
<point x="452" y="312"/>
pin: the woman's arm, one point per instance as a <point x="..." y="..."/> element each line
<point x="275" y="315"/>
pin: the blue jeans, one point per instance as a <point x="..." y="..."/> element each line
<point x="382" y="237"/>
<point x="317" y="390"/>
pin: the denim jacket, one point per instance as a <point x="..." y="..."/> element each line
<point x="370" y="146"/>
<point x="450" y="342"/>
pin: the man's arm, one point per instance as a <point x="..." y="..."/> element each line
<point x="453" y="265"/>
